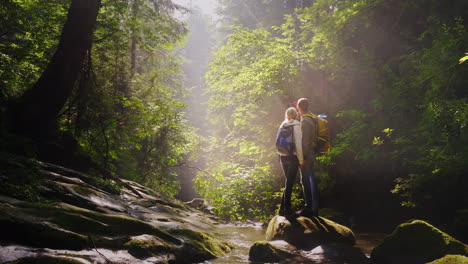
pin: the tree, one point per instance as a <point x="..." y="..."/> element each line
<point x="107" y="102"/>
<point x="35" y="113"/>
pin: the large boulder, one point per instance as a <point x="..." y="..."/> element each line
<point x="416" y="242"/>
<point x="307" y="240"/>
<point x="308" y="233"/>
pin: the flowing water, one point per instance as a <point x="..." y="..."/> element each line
<point x="243" y="236"/>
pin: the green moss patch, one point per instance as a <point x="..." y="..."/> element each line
<point x="68" y="227"/>
<point x="307" y="233"/>
<point x="145" y="246"/>
<point x="87" y="217"/>
<point x="262" y="251"/>
<point x="32" y="231"/>
<point x="417" y="241"/>
<point x="198" y="246"/>
<point x="451" y="259"/>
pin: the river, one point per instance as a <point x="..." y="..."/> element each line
<point x="243" y="236"/>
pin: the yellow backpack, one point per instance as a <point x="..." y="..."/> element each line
<point x="323" y="138"/>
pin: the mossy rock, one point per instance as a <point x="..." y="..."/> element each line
<point x="88" y="217"/>
<point x="26" y="230"/>
<point x="416" y="242"/>
<point x="82" y="195"/>
<point x="198" y="246"/>
<point x="451" y="259"/>
<point x="263" y="251"/>
<point x="62" y="226"/>
<point x="145" y="246"/>
<point x="307" y="233"/>
<point x="41" y="259"/>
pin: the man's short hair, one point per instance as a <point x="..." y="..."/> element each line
<point x="303" y="103"/>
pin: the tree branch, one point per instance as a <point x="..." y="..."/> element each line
<point x="194" y="167"/>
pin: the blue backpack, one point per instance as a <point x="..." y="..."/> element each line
<point x="285" y="140"/>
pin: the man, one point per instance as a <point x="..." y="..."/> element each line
<point x="309" y="141"/>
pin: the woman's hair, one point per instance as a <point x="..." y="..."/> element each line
<point x="291" y="113"/>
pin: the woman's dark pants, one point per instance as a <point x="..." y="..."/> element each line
<point x="290" y="165"/>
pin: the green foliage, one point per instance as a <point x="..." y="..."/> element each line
<point x="240" y="193"/>
<point x="30" y="32"/>
<point x="387" y="73"/>
<point x="257" y="14"/>
<point x="125" y="110"/>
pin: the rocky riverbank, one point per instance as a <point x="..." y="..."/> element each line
<point x="76" y="218"/>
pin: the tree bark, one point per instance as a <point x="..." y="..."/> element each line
<point x="36" y="112"/>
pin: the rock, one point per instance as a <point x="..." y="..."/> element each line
<point x="198" y="246"/>
<point x="263" y="251"/>
<point x="145" y="246"/>
<point x="43" y="259"/>
<point x="307" y="233"/>
<point x="281" y="251"/>
<point x="307" y="240"/>
<point x="76" y="217"/>
<point x="336" y="253"/>
<point x="202" y="205"/>
<point x="451" y="259"/>
<point x="416" y="242"/>
<point x="197" y="203"/>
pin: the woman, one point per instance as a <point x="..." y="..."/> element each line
<point x="290" y="163"/>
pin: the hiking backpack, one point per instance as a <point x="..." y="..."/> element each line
<point x="322" y="144"/>
<point x="285" y="140"/>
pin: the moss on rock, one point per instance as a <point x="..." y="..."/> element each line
<point x="88" y="217"/>
<point x="69" y="227"/>
<point x="145" y="246"/>
<point x="198" y="246"/>
<point x="451" y="259"/>
<point x="416" y="242"/>
<point x="308" y="233"/>
<point x="263" y="251"/>
<point x="27" y="230"/>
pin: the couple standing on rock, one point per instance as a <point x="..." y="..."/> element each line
<point x="304" y="138"/>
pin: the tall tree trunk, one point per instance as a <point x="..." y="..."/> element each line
<point x="36" y="112"/>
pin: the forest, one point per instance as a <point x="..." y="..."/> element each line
<point x="129" y="90"/>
